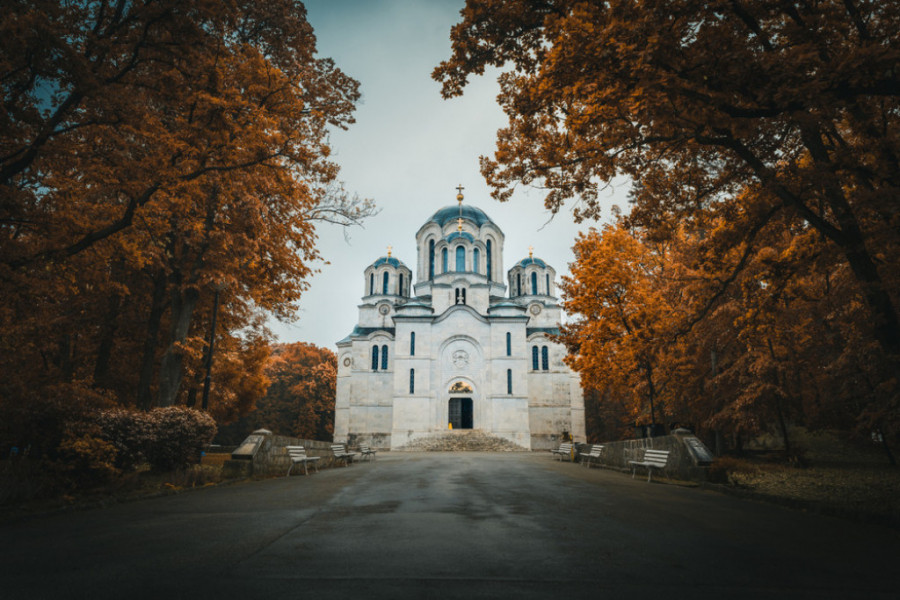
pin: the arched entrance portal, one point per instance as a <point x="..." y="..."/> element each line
<point x="460" y="413"/>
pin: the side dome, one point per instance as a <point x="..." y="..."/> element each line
<point x="531" y="276"/>
<point x="387" y="276"/>
<point x="449" y="214"/>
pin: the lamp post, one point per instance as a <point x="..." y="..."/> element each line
<point x="209" y="355"/>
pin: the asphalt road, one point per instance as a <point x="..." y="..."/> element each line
<point x="460" y="525"/>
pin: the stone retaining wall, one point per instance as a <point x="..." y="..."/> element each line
<point x="270" y="457"/>
<point x="689" y="459"/>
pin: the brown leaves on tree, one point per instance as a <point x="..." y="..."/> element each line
<point x="154" y="155"/>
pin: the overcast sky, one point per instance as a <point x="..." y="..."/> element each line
<point x="408" y="150"/>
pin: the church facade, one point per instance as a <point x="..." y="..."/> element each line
<point x="453" y="350"/>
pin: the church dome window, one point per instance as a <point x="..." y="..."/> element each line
<point x="460" y="259"/>
<point x="372" y="284"/>
<point x="476" y="259"/>
<point x="444" y="262"/>
<point x="534" y="289"/>
<point x="384" y="285"/>
<point x="548" y="283"/>
<point x="488" y="257"/>
<point x="460" y="296"/>
<point x="430" y="259"/>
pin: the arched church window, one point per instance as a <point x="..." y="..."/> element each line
<point x="518" y="284"/>
<point x="488" y="257"/>
<point x="430" y="259"/>
<point x="412" y="381"/>
<point x="460" y="295"/>
<point x="460" y="259"/>
<point x="412" y="343"/>
<point x="508" y="344"/>
<point x="545" y="359"/>
<point x="509" y="381"/>
<point x="374" y="358"/>
<point x="384" y="283"/>
<point x="372" y="284"/>
<point x="548" y="284"/>
<point x="464" y="295"/>
<point x="534" y="283"/>
<point x="444" y="260"/>
<point x="384" y="358"/>
<point x="476" y="259"/>
<point x="400" y="285"/>
<point x="534" y="358"/>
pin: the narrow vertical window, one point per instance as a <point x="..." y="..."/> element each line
<point x="508" y="344"/>
<point x="456" y="301"/>
<point x="412" y="343"/>
<point x="509" y="381"/>
<point x="534" y="358"/>
<point x="464" y="295"/>
<point x="400" y="285"/>
<point x="412" y="381"/>
<point x="460" y="259"/>
<point x="534" y="283"/>
<point x="518" y="284"/>
<point x="430" y="259"/>
<point x="444" y="260"/>
<point x="545" y="359"/>
<point x="476" y="260"/>
<point x="384" y="358"/>
<point x="372" y="284"/>
<point x="374" y="358"/>
<point x="488" y="257"/>
<point x="548" y="284"/>
<point x="384" y="284"/>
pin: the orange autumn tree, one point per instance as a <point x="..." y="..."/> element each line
<point x="708" y="98"/>
<point x="300" y="400"/>
<point x="156" y="156"/>
<point x="623" y="316"/>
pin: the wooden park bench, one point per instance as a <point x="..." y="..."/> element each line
<point x="563" y="450"/>
<point x="298" y="455"/>
<point x="593" y="455"/>
<point x="340" y="453"/>
<point x="653" y="459"/>
<point x="366" y="452"/>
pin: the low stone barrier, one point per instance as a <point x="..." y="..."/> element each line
<point x="689" y="458"/>
<point x="264" y="453"/>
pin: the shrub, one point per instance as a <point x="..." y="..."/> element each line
<point x="87" y="459"/>
<point x="130" y="432"/>
<point x="178" y="438"/>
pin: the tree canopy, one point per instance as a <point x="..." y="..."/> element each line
<point x="762" y="141"/>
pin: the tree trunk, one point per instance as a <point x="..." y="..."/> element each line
<point x="107" y="339"/>
<point x="172" y="366"/>
<point x="157" y="307"/>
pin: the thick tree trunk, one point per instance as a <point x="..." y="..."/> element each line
<point x="157" y="307"/>
<point x="172" y="366"/>
<point x="107" y="340"/>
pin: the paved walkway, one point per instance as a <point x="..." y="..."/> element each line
<point x="462" y="525"/>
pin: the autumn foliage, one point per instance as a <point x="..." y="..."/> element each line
<point x="157" y="159"/>
<point x="300" y="399"/>
<point x="755" y="278"/>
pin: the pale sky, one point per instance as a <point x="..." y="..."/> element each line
<point x="408" y="150"/>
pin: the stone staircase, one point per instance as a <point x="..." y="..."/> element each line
<point x="462" y="440"/>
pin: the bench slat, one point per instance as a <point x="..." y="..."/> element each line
<point x="653" y="459"/>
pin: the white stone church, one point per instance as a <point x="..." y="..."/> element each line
<point x="453" y="351"/>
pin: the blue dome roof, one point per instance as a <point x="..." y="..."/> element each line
<point x="451" y="213"/>
<point x="389" y="260"/>
<point x="531" y="261"/>
<point x="456" y="235"/>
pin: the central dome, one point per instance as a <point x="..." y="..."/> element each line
<point x="451" y="213"/>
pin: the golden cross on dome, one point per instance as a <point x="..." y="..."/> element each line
<point x="530" y="251"/>
<point x="459" y="224"/>
<point x="459" y="196"/>
<point x="389" y="250"/>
